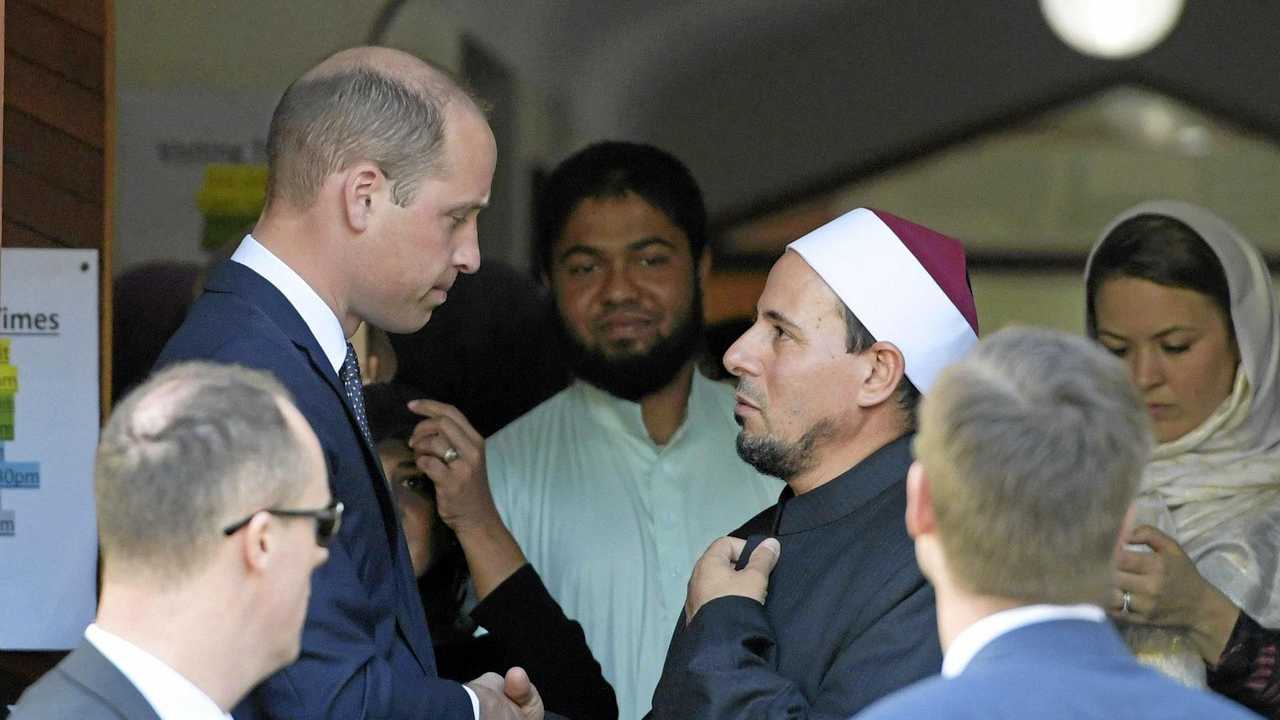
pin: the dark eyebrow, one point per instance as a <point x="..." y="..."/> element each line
<point x="467" y="207"/>
<point x="636" y="246"/>
<point x="577" y="250"/>
<point x="777" y="317"/>
<point x="649" y="242"/>
<point x="1161" y="334"/>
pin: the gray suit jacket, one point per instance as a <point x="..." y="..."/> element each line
<point x="1056" y="670"/>
<point x="84" y="686"/>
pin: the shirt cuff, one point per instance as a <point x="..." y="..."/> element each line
<point x="475" y="702"/>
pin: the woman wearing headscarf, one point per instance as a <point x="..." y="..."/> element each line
<point x="1188" y="302"/>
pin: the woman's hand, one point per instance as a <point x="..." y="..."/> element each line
<point x="1165" y="588"/>
<point x="451" y="453"/>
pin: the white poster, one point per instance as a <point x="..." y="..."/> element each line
<point x="48" y="431"/>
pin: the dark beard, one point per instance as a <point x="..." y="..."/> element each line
<point x="771" y="456"/>
<point x="633" y="376"/>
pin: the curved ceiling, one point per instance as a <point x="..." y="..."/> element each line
<point x="764" y="99"/>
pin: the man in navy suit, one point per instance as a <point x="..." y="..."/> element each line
<point x="213" y="506"/>
<point x="378" y="166"/>
<point x="1028" y="456"/>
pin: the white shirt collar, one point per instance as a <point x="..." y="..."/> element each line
<point x="977" y="636"/>
<point x="318" y="316"/>
<point x="171" y="695"/>
<point x="626" y="415"/>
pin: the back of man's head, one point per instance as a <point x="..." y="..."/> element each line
<point x="1033" y="445"/>
<point x="613" y="169"/>
<point x="187" y="452"/>
<point x="364" y="104"/>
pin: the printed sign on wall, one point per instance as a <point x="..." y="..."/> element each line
<point x="48" y="431"/>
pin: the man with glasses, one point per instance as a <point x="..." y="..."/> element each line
<point x="213" y="509"/>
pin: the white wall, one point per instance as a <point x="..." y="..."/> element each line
<point x="197" y="81"/>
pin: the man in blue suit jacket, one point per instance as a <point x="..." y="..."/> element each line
<point x="378" y="166"/>
<point x="1028" y="457"/>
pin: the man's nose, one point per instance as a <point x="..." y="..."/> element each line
<point x="740" y="359"/>
<point x="467" y="255"/>
<point x="619" y="286"/>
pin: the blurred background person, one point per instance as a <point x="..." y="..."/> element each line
<point x="490" y="351"/>
<point x="149" y="304"/>
<point x="1029" y="452"/>
<point x="524" y="625"/>
<point x="1188" y="303"/>
<point x="614" y="486"/>
<point x="213" y="508"/>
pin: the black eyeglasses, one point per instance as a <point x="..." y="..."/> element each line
<point x="328" y="520"/>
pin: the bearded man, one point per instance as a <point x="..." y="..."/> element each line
<point x="614" y="486"/>
<point x="830" y="611"/>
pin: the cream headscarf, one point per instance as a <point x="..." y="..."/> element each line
<point x="1221" y="481"/>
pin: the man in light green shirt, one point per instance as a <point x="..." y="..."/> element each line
<point x="615" y="486"/>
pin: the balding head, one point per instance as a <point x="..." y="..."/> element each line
<point x="188" y="451"/>
<point x="366" y="104"/>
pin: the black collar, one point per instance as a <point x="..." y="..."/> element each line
<point x="845" y="494"/>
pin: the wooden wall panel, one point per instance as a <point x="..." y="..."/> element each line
<point x="54" y="100"/>
<point x="46" y="40"/>
<point x="47" y="153"/>
<point x="88" y="15"/>
<point x="55" y="110"/>
<point x="18" y="235"/>
<point x="49" y="209"/>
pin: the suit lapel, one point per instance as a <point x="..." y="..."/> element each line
<point x="235" y="278"/>
<point x="88" y="668"/>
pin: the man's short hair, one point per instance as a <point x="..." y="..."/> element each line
<point x="1033" y="444"/>
<point x="611" y="170"/>
<point x="191" y="450"/>
<point x="857" y="338"/>
<point x="324" y="124"/>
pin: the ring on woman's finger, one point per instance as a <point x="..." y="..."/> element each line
<point x="1126" y="601"/>
<point x="449" y="456"/>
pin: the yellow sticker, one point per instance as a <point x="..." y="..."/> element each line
<point x="8" y="380"/>
<point x="4" y="351"/>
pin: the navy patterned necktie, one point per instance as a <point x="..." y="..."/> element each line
<point x="350" y="376"/>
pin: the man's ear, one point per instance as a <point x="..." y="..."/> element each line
<point x="257" y="543"/>
<point x="704" y="267"/>
<point x="921" y="519"/>
<point x="885" y="371"/>
<point x="361" y="185"/>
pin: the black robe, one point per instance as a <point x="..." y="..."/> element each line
<point x="848" y="619"/>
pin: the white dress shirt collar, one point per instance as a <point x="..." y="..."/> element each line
<point x="171" y="695"/>
<point x="318" y="316"/>
<point x="977" y="636"/>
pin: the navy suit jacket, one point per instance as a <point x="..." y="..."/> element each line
<point x="84" y="686"/>
<point x="1068" y="669"/>
<point x="366" y="651"/>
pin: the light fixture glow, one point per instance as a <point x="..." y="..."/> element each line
<point x="1112" y="29"/>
